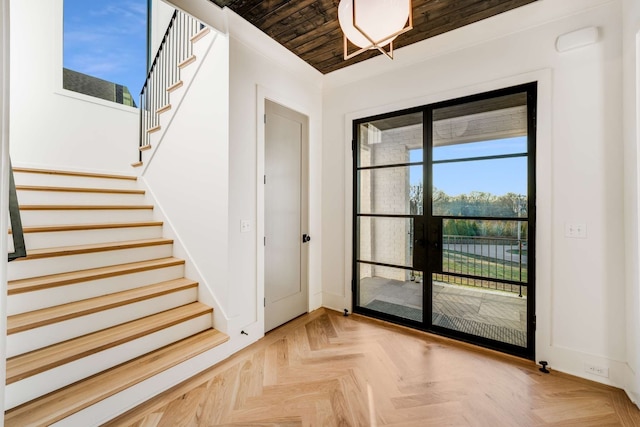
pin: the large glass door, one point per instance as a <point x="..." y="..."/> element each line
<point x="444" y="216"/>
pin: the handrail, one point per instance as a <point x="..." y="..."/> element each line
<point x="155" y="59"/>
<point x="19" y="248"/>
<point x="175" y="48"/>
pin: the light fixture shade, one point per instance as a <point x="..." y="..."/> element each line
<point x="381" y="20"/>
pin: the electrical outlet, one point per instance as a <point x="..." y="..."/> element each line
<point x="596" y="370"/>
<point x="245" y="226"/>
<point x="575" y="231"/>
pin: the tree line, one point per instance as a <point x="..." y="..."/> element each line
<point x="475" y="203"/>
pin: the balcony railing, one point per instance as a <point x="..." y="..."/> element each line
<point x="174" y="50"/>
<point x="489" y="262"/>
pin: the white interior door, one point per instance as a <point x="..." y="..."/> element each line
<point x="286" y="284"/>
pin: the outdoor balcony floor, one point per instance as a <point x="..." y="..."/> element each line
<point x="497" y="315"/>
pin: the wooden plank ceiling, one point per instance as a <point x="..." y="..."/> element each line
<point x="309" y="28"/>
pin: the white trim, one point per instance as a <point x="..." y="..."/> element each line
<point x="176" y="104"/>
<point x="261" y="97"/>
<point x="91" y="99"/>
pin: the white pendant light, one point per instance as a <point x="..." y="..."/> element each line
<point x="373" y="24"/>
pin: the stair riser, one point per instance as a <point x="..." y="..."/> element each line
<point x="51" y="180"/>
<point x="23" y="269"/>
<point x="30" y="301"/>
<point x="38" y="385"/>
<point x="74" y="198"/>
<point x="87" y="237"/>
<point x="33" y="339"/>
<point x="70" y="217"/>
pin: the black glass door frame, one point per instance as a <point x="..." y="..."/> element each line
<point x="427" y="244"/>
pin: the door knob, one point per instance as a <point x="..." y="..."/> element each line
<point x="305" y="238"/>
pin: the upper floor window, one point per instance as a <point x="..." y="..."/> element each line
<point x="105" y="48"/>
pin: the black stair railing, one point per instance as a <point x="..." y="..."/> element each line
<point x="19" y="248"/>
<point x="175" y="48"/>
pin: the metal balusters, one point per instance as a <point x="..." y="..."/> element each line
<point x="495" y="263"/>
<point x="175" y="48"/>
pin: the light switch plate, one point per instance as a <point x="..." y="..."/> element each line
<point x="575" y="230"/>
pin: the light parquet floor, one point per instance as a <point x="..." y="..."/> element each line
<point x="324" y="369"/>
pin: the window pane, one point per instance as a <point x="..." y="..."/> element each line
<point x="493" y="188"/>
<point x="386" y="240"/>
<point x="394" y="190"/>
<point x="485" y="249"/>
<point x="105" y="48"/>
<point x="482" y="309"/>
<point x="485" y="120"/>
<point x="389" y="141"/>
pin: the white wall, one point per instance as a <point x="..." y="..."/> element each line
<point x="631" y="104"/>
<point x="223" y="170"/>
<point x="260" y="68"/>
<point x="580" y="282"/>
<point x="187" y="175"/>
<point x="51" y="126"/>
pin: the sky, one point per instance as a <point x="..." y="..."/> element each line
<point x="498" y="177"/>
<point x="107" y="39"/>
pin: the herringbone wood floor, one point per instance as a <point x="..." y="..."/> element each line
<point x="323" y="369"/>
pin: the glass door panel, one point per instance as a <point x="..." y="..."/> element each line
<point x="480" y="192"/>
<point x="389" y="174"/>
<point x="393" y="190"/>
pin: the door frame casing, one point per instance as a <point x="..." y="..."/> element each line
<point x="543" y="277"/>
<point x="263" y="95"/>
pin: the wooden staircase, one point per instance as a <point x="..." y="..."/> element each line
<point x="99" y="304"/>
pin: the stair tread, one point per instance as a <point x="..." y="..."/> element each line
<point x="97" y="247"/>
<point x="37" y="361"/>
<point x="74" y="173"/>
<point x="61" y="279"/>
<point x="46" y="316"/>
<point x="81" y="207"/>
<point x="77" y="189"/>
<point x="64" y="402"/>
<point x="200" y="34"/>
<point x="82" y="227"/>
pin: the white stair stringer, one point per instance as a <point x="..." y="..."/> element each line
<point x="201" y="48"/>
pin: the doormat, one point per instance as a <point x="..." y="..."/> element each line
<point x="396" y="309"/>
<point x="485" y="330"/>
